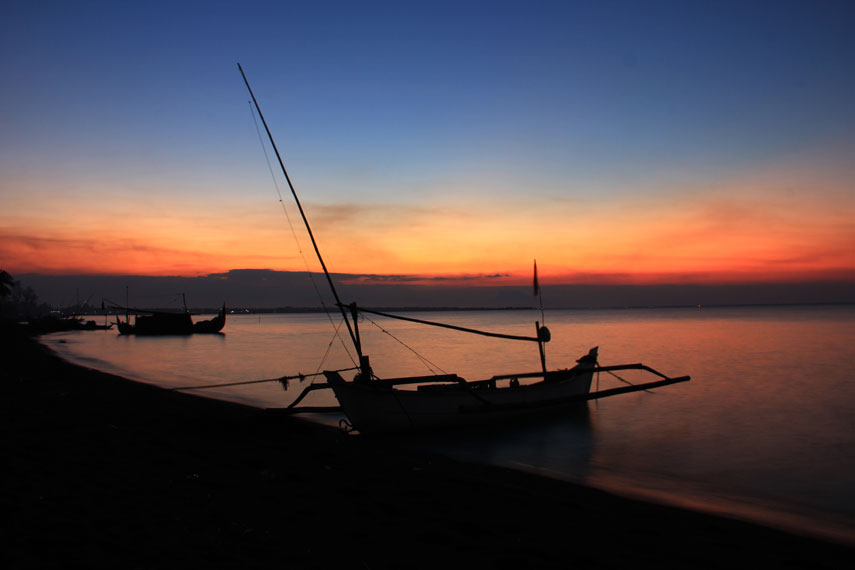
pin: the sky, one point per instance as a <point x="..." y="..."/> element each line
<point x="616" y="142"/>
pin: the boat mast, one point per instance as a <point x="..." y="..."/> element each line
<point x="354" y="336"/>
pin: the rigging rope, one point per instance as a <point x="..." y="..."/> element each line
<point x="296" y="240"/>
<point x="447" y="326"/>
<point x="619" y="378"/>
<point x="282" y="379"/>
<point x="428" y="364"/>
<point x="329" y="346"/>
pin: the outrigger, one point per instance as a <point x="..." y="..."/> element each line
<point x="374" y="405"/>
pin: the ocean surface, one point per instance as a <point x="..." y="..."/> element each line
<point x="764" y="431"/>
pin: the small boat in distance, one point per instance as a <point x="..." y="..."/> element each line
<point x="374" y="405"/>
<point x="153" y="323"/>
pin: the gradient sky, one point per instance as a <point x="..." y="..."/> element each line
<point x="616" y="142"/>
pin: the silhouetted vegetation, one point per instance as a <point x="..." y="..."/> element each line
<point x="18" y="302"/>
<point x="6" y="284"/>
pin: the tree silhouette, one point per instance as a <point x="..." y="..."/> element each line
<point x="6" y="284"/>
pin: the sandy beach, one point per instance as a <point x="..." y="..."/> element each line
<point x="105" y="472"/>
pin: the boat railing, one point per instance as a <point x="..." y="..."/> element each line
<point x="454" y="379"/>
<point x="378" y="383"/>
<point x="574" y="372"/>
<point x="578" y="397"/>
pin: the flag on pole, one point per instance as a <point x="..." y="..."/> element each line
<point x="536" y="284"/>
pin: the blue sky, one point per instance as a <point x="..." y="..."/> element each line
<point x="397" y="112"/>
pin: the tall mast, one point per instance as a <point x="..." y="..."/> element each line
<point x="341" y="306"/>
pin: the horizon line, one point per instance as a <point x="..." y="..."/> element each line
<point x="416" y="308"/>
<point x="505" y="279"/>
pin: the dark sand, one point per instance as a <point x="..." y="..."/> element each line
<point x="103" y="472"/>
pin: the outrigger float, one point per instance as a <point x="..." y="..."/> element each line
<point x="374" y="405"/>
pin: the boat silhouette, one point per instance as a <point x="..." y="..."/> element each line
<point x="374" y="405"/>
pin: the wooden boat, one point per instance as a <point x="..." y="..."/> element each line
<point x="376" y="405"/>
<point x="450" y="401"/>
<point x="152" y="323"/>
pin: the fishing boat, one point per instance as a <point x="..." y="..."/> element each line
<point x="448" y="400"/>
<point x="376" y="405"/>
<point x="91" y="325"/>
<point x="153" y="323"/>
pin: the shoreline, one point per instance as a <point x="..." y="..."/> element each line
<point x="195" y="311"/>
<point x="108" y="472"/>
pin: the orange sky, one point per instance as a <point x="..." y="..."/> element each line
<point x="764" y="227"/>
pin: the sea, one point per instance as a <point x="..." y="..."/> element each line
<point x="764" y="431"/>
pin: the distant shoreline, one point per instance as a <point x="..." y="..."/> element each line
<point x="414" y="309"/>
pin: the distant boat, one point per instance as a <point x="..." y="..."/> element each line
<point x="374" y="404"/>
<point x="153" y="323"/>
<point x="91" y="325"/>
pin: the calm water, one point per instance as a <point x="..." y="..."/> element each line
<point x="764" y="431"/>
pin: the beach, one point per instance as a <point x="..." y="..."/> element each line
<point x="102" y="471"/>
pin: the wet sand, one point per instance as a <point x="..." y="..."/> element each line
<point x="104" y="472"/>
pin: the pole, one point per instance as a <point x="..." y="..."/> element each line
<point x="353" y="336"/>
<point x="540" y="348"/>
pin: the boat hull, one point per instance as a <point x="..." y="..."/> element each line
<point x="158" y="324"/>
<point x="211" y="326"/>
<point x="375" y="408"/>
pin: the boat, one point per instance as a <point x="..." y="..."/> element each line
<point x="376" y="405"/>
<point x="152" y="323"/>
<point x="91" y="325"/>
<point x="211" y="326"/>
<point x="450" y="401"/>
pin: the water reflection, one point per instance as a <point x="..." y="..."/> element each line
<point x="559" y="445"/>
<point x="766" y="419"/>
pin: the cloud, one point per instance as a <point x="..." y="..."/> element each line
<point x="760" y="226"/>
<point x="107" y="253"/>
<point x="264" y="288"/>
<point x="481" y="279"/>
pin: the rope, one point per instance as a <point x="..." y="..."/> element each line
<point x="329" y="347"/>
<point x="350" y="330"/>
<point x="619" y="378"/>
<point x="447" y="326"/>
<point x="281" y="380"/>
<point x="428" y="364"/>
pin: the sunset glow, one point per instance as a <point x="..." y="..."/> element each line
<point x="608" y="158"/>
<point x="733" y="237"/>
